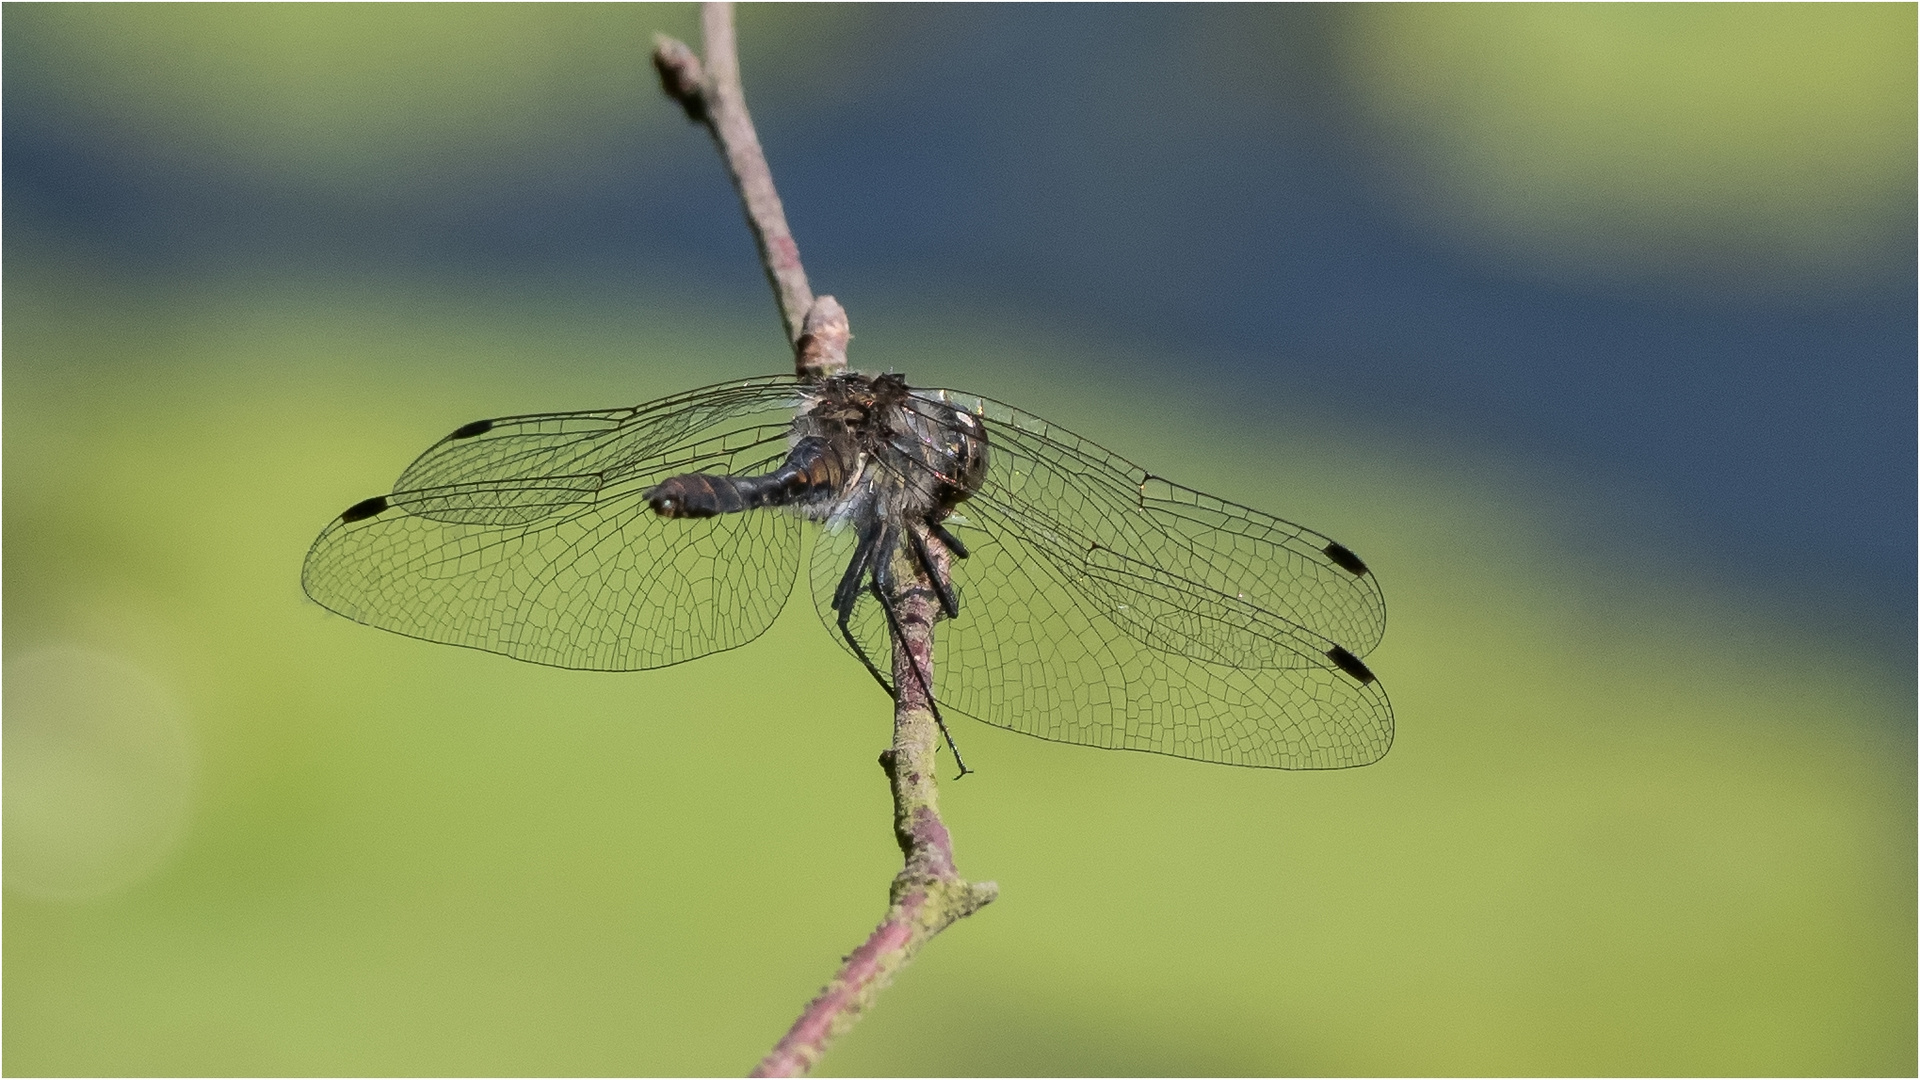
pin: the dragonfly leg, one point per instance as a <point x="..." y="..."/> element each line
<point x="950" y="541"/>
<point x="942" y="584"/>
<point x="854" y="579"/>
<point x="893" y="623"/>
<point x="848" y="592"/>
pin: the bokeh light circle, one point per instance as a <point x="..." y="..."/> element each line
<point x="98" y="773"/>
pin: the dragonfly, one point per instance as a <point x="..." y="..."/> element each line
<point x="1080" y="598"/>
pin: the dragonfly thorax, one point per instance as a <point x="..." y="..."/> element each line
<point x="864" y="450"/>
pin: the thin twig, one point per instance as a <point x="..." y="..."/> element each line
<point x="712" y="95"/>
<point x="928" y="894"/>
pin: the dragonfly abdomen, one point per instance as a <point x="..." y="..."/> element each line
<point x="814" y="470"/>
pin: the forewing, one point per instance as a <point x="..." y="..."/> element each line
<point x="609" y="445"/>
<point x="1105" y="607"/>
<point x="529" y="536"/>
<point x="1073" y="499"/>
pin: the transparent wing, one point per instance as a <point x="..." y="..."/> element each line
<point x="1074" y="496"/>
<point x="529" y="536"/>
<point x="1100" y="653"/>
<point x="1105" y="607"/>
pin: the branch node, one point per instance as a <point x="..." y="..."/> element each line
<point x="822" y="347"/>
<point x="681" y="76"/>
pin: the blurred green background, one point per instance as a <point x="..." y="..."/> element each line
<point x="1640" y="818"/>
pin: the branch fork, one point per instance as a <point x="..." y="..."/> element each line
<point x="928" y="894"/>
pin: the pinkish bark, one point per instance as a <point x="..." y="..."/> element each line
<point x="712" y="94"/>
<point x="822" y="348"/>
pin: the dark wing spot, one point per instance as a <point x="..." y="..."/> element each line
<point x="1344" y="558"/>
<point x="468" y="431"/>
<point x="364" y="509"/>
<point x="1349" y="663"/>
